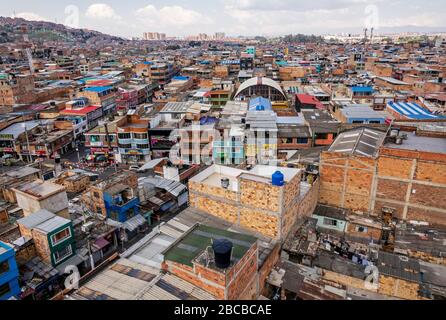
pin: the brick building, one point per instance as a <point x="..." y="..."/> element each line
<point x="191" y="259"/>
<point x="251" y="200"/>
<point x="369" y="176"/>
<point x="16" y="89"/>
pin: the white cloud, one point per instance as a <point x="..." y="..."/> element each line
<point x="101" y="11"/>
<point x="170" y="16"/>
<point x="31" y="16"/>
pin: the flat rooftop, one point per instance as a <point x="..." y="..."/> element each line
<point x="417" y="143"/>
<point x="41" y="189"/>
<point x="199" y="238"/>
<point x="212" y="176"/>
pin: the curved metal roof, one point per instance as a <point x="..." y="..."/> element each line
<point x="262" y="81"/>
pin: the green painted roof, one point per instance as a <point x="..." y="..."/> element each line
<point x="197" y="240"/>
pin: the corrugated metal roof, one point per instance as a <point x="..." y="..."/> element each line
<point x="36" y="218"/>
<point x="361" y="142"/>
<point x="134" y="222"/>
<point x="173" y="187"/>
<point x="17" y="129"/>
<point x="177" y="107"/>
<point x="52" y="224"/>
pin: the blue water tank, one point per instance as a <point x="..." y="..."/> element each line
<point x="278" y="179"/>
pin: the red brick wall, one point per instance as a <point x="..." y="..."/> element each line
<point x="411" y="182"/>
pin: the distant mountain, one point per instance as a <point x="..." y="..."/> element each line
<point x="12" y="29"/>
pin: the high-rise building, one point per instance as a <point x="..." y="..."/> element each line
<point x="220" y="35"/>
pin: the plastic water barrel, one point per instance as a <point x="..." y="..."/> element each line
<point x="278" y="179"/>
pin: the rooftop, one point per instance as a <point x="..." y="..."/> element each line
<point x="361" y="111"/>
<point x="41" y="189"/>
<point x="212" y="176"/>
<point x="98" y="89"/>
<point x="412" y="111"/>
<point x="419" y="143"/>
<point x="4" y="248"/>
<point x="200" y="237"/>
<point x="80" y="111"/>
<point x="36" y="219"/>
<point x="361" y="142"/>
<point x="177" y="107"/>
<point x="17" y="129"/>
<point x="52" y="224"/>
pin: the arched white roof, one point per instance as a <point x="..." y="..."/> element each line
<point x="259" y="80"/>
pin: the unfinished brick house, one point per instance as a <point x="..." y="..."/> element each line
<point x="191" y="258"/>
<point x="251" y="199"/>
<point x="367" y="173"/>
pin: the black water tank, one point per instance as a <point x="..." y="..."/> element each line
<point x="222" y="251"/>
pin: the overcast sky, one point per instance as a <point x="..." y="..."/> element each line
<point x="131" y="18"/>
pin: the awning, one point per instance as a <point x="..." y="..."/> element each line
<point x="135" y="222"/>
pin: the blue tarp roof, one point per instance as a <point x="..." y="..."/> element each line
<point x="260" y="104"/>
<point x="362" y="89"/>
<point x="208" y="120"/>
<point x="184" y="78"/>
<point x="412" y="111"/>
<point x="98" y="89"/>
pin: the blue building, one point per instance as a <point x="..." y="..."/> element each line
<point x="120" y="203"/>
<point x="9" y="274"/>
<point x="260" y="104"/>
<point x="362" y="91"/>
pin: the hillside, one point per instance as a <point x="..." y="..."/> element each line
<point x="12" y="29"/>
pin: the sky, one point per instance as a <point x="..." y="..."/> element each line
<point x="235" y="17"/>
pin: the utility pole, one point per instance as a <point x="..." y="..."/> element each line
<point x="27" y="138"/>
<point x="109" y="146"/>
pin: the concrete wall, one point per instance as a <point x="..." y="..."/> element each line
<point x="411" y="182"/>
<point x="57" y="203"/>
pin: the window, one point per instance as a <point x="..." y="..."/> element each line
<point x="95" y="138"/>
<point x="142" y="146"/>
<point x="124" y="135"/>
<point x="287" y="140"/>
<point x="111" y="138"/>
<point x="125" y="146"/>
<point x="140" y="135"/>
<point x="361" y="229"/>
<point x="4" y="267"/>
<point x="330" y="222"/>
<point x="322" y="136"/>
<point x="302" y="140"/>
<point x="374" y="122"/>
<point x="61" y="236"/>
<point x="62" y="254"/>
<point x="96" y="194"/>
<point x="357" y="121"/>
<point x="4" y="289"/>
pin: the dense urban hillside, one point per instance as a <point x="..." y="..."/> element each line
<point x="12" y="29"/>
